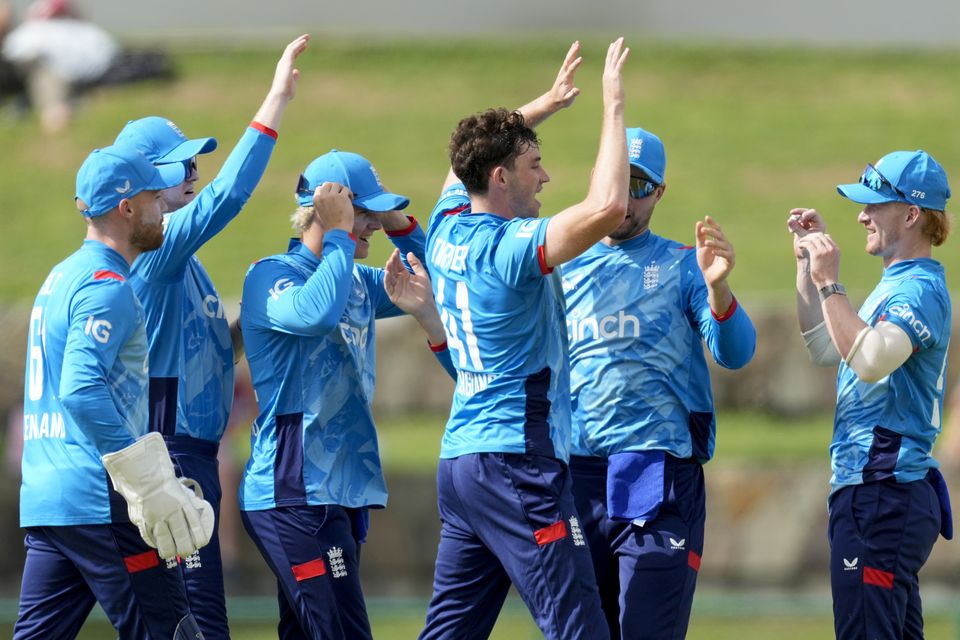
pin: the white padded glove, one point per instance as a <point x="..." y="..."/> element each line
<point x="170" y="512"/>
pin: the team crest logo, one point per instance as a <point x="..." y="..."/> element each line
<point x="651" y="276"/>
<point x="576" y="533"/>
<point x="636" y="146"/>
<point x="337" y="566"/>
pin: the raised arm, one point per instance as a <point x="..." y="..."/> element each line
<point x="560" y="96"/>
<point x="574" y="230"/>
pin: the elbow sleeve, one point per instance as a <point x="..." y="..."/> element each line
<point x="820" y="346"/>
<point x="878" y="351"/>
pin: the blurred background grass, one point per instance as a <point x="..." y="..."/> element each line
<point x="750" y="132"/>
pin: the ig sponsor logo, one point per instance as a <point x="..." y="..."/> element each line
<point x="99" y="330"/>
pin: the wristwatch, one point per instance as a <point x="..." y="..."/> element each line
<point x="830" y="289"/>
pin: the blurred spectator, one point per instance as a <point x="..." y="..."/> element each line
<point x="59" y="55"/>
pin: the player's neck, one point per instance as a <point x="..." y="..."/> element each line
<point x="109" y="236"/>
<point x="491" y="202"/>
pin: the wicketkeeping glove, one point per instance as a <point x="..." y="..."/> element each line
<point x="170" y="512"/>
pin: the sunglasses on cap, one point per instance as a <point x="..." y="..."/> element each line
<point x="876" y="181"/>
<point x="641" y="187"/>
<point x="303" y="186"/>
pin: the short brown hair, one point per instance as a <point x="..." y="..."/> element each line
<point x="486" y="140"/>
<point x="936" y="226"/>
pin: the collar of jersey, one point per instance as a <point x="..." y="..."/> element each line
<point x="899" y="269"/>
<point x="117" y="261"/>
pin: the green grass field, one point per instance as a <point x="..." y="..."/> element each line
<point x="750" y="133"/>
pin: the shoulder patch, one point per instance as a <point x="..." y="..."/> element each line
<point x="104" y="274"/>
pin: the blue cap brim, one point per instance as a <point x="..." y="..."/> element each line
<point x="382" y="202"/>
<point x="656" y="177"/>
<point x="188" y="149"/>
<point x="863" y="194"/>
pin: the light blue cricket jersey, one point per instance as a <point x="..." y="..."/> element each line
<point x="191" y="354"/>
<point x="309" y="331"/>
<point x="502" y="310"/>
<point x="887" y="429"/>
<point x="637" y="314"/>
<point x="84" y="389"/>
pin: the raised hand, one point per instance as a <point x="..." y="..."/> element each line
<point x="613" y="95"/>
<point x="715" y="254"/>
<point x="563" y="92"/>
<point x="802" y="222"/>
<point x="286" y="76"/>
<point x="412" y="293"/>
<point x="824" y="256"/>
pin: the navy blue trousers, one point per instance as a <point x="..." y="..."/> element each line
<point x="203" y="569"/>
<point x="647" y="575"/>
<point x="68" y="569"/>
<point x="881" y="534"/>
<point x="315" y="553"/>
<point x="510" y="518"/>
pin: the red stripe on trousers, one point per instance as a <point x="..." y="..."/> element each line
<point x="309" y="570"/>
<point x="877" y="577"/>
<point x="694" y="561"/>
<point x="556" y="531"/>
<point x="142" y="561"/>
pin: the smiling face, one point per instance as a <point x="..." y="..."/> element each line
<point x="523" y="181"/>
<point x="886" y="226"/>
<point x="184" y="193"/>
<point x="365" y="224"/>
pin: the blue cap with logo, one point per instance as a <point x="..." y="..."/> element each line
<point x="913" y="177"/>
<point x="645" y="151"/>
<point x="354" y="172"/>
<point x="162" y="141"/>
<point x="114" y="173"/>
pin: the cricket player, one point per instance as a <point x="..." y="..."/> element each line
<point x="889" y="501"/>
<point x="85" y="429"/>
<point x="503" y="482"/>
<point x="639" y="309"/>
<point x="309" y="321"/>
<point x="191" y="352"/>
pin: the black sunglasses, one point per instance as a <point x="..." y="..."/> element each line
<point x="641" y="187"/>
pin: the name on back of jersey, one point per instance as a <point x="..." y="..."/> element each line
<point x="48" y="424"/>
<point x="450" y="257"/>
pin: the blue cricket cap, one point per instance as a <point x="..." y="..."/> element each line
<point x="162" y="141"/>
<point x="913" y="177"/>
<point x="354" y="172"/>
<point x="114" y="173"/>
<point x="645" y="152"/>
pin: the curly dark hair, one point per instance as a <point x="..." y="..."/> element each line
<point x="486" y="140"/>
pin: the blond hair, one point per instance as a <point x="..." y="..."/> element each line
<point x="936" y="226"/>
<point x="302" y="218"/>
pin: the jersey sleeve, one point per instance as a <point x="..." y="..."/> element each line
<point x="407" y="240"/>
<point x="442" y="354"/>
<point x="103" y="316"/>
<point x="730" y="338"/>
<point x="518" y="254"/>
<point x="189" y="228"/>
<point x="920" y="309"/>
<point x="277" y="297"/>
<point x="453" y="201"/>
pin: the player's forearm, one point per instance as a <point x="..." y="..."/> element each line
<point x="539" y="109"/>
<point x="842" y="322"/>
<point x="611" y="177"/>
<point x="271" y="111"/>
<point x="719" y="297"/>
<point x="809" y="313"/>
